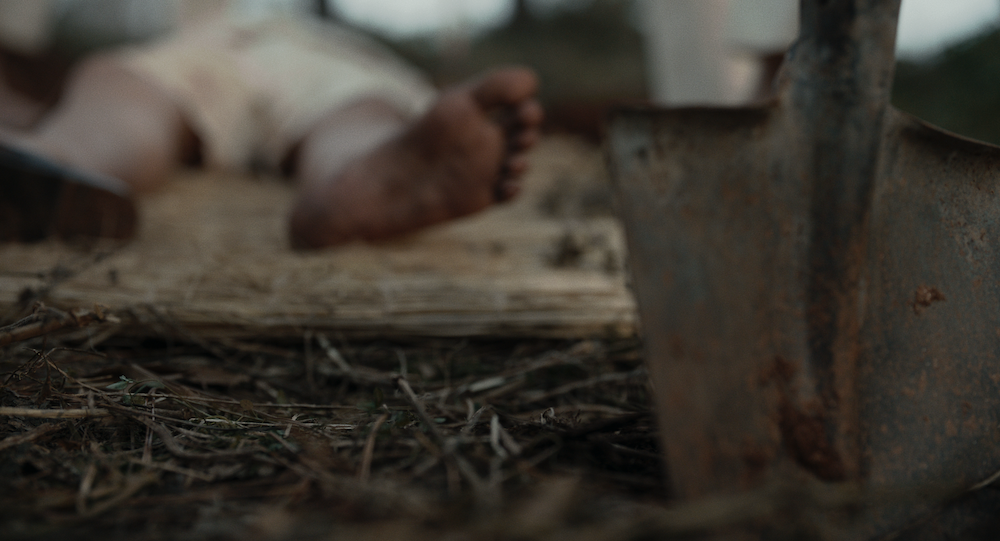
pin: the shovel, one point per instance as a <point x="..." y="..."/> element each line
<point x="818" y="281"/>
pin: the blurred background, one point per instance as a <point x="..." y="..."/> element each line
<point x="591" y="54"/>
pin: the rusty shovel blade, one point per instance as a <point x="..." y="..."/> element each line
<point x="818" y="279"/>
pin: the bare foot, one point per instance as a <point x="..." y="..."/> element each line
<point x="465" y="154"/>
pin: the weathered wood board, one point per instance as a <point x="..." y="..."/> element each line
<point x="211" y="260"/>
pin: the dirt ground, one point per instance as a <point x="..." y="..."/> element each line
<point x="325" y="439"/>
<point x="113" y="426"/>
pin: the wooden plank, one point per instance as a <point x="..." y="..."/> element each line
<point x="211" y="258"/>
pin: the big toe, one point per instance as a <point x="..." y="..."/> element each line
<point x="505" y="87"/>
<point x="530" y="113"/>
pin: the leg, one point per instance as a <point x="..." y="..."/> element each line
<point x="112" y="122"/>
<point x="342" y="136"/>
<point x="368" y="174"/>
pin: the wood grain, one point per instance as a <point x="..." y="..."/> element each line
<point x="211" y="261"/>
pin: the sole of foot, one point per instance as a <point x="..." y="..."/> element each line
<point x="465" y="154"/>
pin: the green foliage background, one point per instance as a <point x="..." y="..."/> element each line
<point x="958" y="90"/>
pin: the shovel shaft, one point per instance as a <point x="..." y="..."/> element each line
<point x="839" y="77"/>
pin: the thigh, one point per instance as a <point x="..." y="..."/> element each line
<point x="112" y="121"/>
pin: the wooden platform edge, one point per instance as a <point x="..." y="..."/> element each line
<point x="556" y="315"/>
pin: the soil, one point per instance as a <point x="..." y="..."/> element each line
<point x="114" y="437"/>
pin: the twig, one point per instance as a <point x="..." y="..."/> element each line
<point x="166" y="319"/>
<point x="132" y="485"/>
<point x="449" y="452"/>
<point x="418" y="406"/>
<point x="474" y="419"/>
<point x="31" y="435"/>
<point x="166" y="466"/>
<point x="46" y="320"/>
<point x="402" y="362"/>
<point x="54" y="413"/>
<point x="175" y="448"/>
<point x="548" y="360"/>
<point x="281" y="441"/>
<point x="451" y="473"/>
<point x="68" y="377"/>
<point x="256" y="405"/>
<point x="508" y="380"/>
<point x="495" y="438"/>
<point x="605" y="425"/>
<point x="360" y="374"/>
<point x="986" y="482"/>
<point x="333" y="354"/>
<point x="638" y="373"/>
<point x="86" y="486"/>
<point x="366" y="457"/>
<point x="504" y="437"/>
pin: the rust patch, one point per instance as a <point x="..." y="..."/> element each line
<point x="756" y="457"/>
<point x="803" y="428"/>
<point x="804" y="435"/>
<point x="780" y="371"/>
<point x="675" y="346"/>
<point x="924" y="297"/>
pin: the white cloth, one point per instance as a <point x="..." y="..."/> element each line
<point x="253" y="89"/>
<point x="706" y="52"/>
<point x="25" y="24"/>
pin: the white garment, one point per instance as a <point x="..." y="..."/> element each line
<point x="252" y="89"/>
<point x="706" y="52"/>
<point x="25" y="25"/>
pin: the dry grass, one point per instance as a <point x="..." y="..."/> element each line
<point x="154" y="439"/>
<point x="105" y="436"/>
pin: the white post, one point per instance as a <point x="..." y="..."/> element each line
<point x="708" y="52"/>
<point x="24" y="24"/>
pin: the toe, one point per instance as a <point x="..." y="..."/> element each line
<point x="507" y="190"/>
<point x="507" y="86"/>
<point x="515" y="166"/>
<point x="522" y="141"/>
<point x="530" y="114"/>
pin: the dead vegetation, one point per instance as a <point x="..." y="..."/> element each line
<point x="108" y="436"/>
<point x="154" y="438"/>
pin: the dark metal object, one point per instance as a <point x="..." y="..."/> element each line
<point x="41" y="199"/>
<point x="818" y="278"/>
